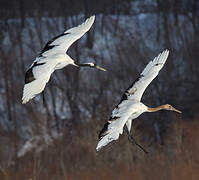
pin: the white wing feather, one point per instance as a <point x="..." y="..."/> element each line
<point x="115" y="125"/>
<point x="32" y="89"/>
<point x="126" y="110"/>
<point x="65" y="40"/>
<point x="148" y="74"/>
<point x="41" y="75"/>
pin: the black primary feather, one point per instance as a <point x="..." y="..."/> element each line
<point x="105" y="128"/>
<point x="103" y="131"/>
<point x="48" y="46"/>
<point x="29" y="77"/>
<point x="126" y="93"/>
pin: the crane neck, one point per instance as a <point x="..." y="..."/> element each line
<point x="84" y="65"/>
<point x="156" y="108"/>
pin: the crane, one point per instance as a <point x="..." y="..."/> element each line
<point x="53" y="57"/>
<point x="130" y="105"/>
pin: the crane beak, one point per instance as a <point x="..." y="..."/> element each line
<point x="174" y="109"/>
<point x="100" y="68"/>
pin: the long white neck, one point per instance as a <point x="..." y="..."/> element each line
<point x="69" y="60"/>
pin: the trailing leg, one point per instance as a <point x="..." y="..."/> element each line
<point x="130" y="138"/>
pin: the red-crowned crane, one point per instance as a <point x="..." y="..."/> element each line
<point x="53" y="57"/>
<point x="130" y="106"/>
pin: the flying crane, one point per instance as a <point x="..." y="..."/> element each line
<point x="130" y="106"/>
<point x="53" y="57"/>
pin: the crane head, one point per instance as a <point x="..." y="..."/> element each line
<point x="171" y="108"/>
<point x="91" y="65"/>
<point x="94" y="65"/>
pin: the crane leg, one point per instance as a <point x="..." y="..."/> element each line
<point x="130" y="138"/>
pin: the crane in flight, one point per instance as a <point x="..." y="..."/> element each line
<point x="130" y="106"/>
<point x="53" y="57"/>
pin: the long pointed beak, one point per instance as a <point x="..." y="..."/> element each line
<point x="100" y="68"/>
<point x="174" y="109"/>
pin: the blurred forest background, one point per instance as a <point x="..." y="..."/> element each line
<point x="57" y="141"/>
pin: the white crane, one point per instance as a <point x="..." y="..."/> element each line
<point x="53" y="57"/>
<point x="130" y="106"/>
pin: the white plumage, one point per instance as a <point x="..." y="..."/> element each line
<point x="130" y="106"/>
<point x="126" y="111"/>
<point x="148" y="74"/>
<point x="52" y="57"/>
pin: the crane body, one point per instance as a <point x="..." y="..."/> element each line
<point x="130" y="105"/>
<point x="53" y="57"/>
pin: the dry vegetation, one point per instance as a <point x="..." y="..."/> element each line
<point x="76" y="158"/>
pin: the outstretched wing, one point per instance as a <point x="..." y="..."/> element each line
<point x="36" y="77"/>
<point x="61" y="43"/>
<point x="136" y="90"/>
<point x="114" y="127"/>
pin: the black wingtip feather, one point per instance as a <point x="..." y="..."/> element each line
<point x="46" y="48"/>
<point x="29" y="77"/>
<point x="103" y="131"/>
